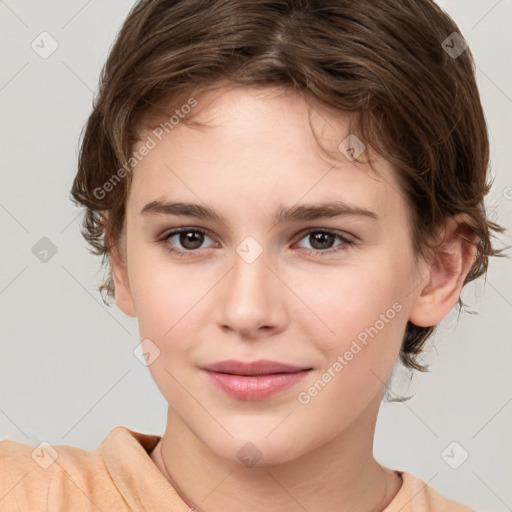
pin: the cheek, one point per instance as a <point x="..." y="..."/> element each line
<point x="351" y="301"/>
<point x="366" y="307"/>
<point x="164" y="294"/>
<point x="376" y="323"/>
<point x="368" y="322"/>
<point x="164" y="302"/>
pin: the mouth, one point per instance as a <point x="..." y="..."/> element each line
<point x="256" y="380"/>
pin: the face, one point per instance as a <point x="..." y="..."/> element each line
<point x="329" y="294"/>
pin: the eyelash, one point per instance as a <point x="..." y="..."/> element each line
<point x="347" y="243"/>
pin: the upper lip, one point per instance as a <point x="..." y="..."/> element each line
<point x="262" y="367"/>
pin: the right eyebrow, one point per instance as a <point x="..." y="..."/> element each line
<point x="158" y="207"/>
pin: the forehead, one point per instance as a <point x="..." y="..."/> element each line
<point x="260" y="146"/>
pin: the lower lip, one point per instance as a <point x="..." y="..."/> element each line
<point x="252" y="387"/>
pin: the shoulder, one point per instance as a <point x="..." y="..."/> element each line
<point x="44" y="477"/>
<point x="416" y="496"/>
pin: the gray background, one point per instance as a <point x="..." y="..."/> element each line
<point x="68" y="374"/>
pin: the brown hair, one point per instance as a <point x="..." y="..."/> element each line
<point x="388" y="62"/>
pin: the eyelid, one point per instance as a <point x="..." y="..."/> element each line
<point x="347" y="242"/>
<point x="342" y="234"/>
<point x="180" y="229"/>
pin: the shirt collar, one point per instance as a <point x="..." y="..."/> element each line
<point x="140" y="482"/>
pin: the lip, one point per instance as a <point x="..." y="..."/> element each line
<point x="256" y="380"/>
<point x="254" y="368"/>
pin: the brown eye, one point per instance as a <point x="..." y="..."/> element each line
<point x="321" y="240"/>
<point x="185" y="239"/>
<point x="191" y="239"/>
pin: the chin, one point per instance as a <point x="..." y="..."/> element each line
<point x="252" y="447"/>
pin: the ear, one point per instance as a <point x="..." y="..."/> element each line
<point x="123" y="294"/>
<point x="446" y="273"/>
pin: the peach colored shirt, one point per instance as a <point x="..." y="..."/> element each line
<point x="121" y="476"/>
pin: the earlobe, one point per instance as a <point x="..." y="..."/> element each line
<point x="446" y="274"/>
<point x="123" y="294"/>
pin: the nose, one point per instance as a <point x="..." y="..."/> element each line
<point x="252" y="299"/>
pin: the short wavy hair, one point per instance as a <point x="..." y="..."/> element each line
<point x="399" y="67"/>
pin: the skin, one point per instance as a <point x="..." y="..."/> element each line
<point x="258" y="154"/>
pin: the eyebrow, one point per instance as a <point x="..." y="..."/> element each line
<point x="294" y="213"/>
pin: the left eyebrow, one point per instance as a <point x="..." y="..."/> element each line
<point x="322" y="211"/>
<point x="294" y="213"/>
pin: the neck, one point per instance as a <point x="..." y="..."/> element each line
<point x="340" y="476"/>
